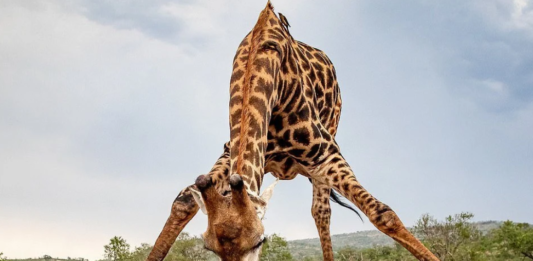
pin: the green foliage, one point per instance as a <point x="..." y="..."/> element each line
<point x="141" y="252"/>
<point x="454" y="239"/>
<point x="348" y="254"/>
<point x="2" y="257"/>
<point x="311" y="248"/>
<point x="117" y="249"/>
<point x="275" y="248"/>
<point x="188" y="248"/>
<point x="391" y="253"/>
<point x="513" y="239"/>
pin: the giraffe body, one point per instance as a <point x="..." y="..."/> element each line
<point x="285" y="108"/>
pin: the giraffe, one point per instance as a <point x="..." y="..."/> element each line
<point x="284" y="108"/>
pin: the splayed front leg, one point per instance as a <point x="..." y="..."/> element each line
<point x="184" y="208"/>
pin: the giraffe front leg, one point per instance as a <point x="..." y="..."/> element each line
<point x="321" y="212"/>
<point x="184" y="208"/>
<point x="337" y="173"/>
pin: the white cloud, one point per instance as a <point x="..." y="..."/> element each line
<point x="509" y="16"/>
<point x="522" y="16"/>
<point x="198" y="18"/>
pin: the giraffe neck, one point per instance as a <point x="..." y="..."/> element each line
<point x="245" y="114"/>
<point x="252" y="99"/>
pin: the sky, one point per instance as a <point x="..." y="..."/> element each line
<point x="109" y="108"/>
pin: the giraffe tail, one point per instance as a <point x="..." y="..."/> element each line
<point x="335" y="197"/>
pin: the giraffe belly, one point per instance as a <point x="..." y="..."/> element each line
<point x="283" y="166"/>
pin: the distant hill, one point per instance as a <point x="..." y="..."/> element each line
<point x="362" y="239"/>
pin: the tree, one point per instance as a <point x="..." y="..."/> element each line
<point x="275" y="248"/>
<point x="188" y="248"/>
<point x="454" y="239"/>
<point x="348" y="254"/>
<point x="514" y="239"/>
<point x="395" y="252"/>
<point x="2" y="257"/>
<point x="117" y="249"/>
<point x="141" y="253"/>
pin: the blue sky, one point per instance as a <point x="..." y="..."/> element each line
<point x="109" y="109"/>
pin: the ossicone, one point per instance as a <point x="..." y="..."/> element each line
<point x="203" y="182"/>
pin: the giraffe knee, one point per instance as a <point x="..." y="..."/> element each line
<point x="386" y="220"/>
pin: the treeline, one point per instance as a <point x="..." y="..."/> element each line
<point x="188" y="248"/>
<point x="185" y="248"/>
<point x="455" y="238"/>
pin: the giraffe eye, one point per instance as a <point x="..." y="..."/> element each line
<point x="270" y="45"/>
<point x="260" y="243"/>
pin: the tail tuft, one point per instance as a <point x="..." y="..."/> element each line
<point x="335" y="197"/>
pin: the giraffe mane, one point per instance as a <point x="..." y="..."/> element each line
<point x="245" y="115"/>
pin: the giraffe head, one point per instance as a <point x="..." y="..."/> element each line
<point x="234" y="231"/>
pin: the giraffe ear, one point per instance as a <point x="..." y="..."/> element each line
<point x="267" y="194"/>
<point x="199" y="200"/>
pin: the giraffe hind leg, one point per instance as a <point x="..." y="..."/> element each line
<point x="338" y="174"/>
<point x="321" y="212"/>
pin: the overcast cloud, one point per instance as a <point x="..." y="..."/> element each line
<point x="109" y="108"/>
